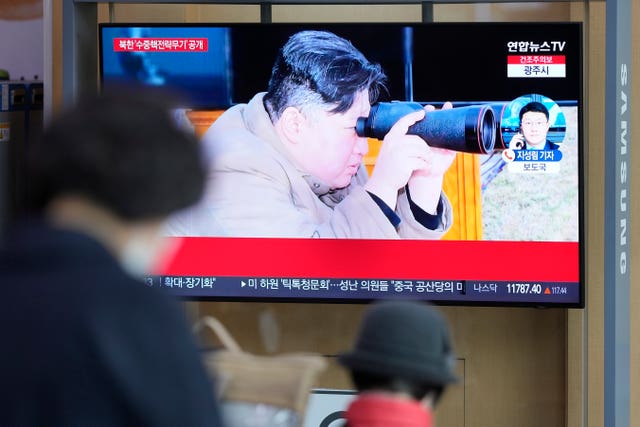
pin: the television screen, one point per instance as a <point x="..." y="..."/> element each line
<point x="513" y="190"/>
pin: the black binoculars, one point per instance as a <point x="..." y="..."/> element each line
<point x="470" y="129"/>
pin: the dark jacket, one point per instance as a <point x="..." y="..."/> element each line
<point x="84" y="344"/>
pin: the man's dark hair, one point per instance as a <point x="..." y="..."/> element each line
<point x="366" y="381"/>
<point x="320" y="68"/>
<point x="534" y="107"/>
<point x="123" y="151"/>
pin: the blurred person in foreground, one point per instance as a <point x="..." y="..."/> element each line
<point x="289" y="163"/>
<point x="401" y="363"/>
<point x="85" y="341"/>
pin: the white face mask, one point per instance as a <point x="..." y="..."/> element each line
<point x="141" y="252"/>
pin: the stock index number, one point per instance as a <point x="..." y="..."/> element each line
<point x="524" y="288"/>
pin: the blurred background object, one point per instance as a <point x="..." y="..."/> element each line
<point x="16" y="10"/>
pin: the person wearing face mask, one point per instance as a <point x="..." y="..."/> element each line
<point x="401" y="363"/>
<point x="289" y="163"/>
<point x="85" y="340"/>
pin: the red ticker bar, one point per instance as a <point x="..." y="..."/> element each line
<point x="336" y="258"/>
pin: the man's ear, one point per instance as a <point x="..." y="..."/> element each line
<point x="292" y="124"/>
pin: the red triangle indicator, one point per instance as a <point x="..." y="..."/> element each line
<point x="547" y="291"/>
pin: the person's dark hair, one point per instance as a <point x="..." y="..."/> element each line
<point x="534" y="107"/>
<point x="368" y="381"/>
<point x="320" y="68"/>
<point x="123" y="151"/>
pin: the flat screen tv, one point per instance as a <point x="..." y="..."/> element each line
<point x="517" y="235"/>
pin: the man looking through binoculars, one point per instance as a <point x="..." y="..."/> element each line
<point x="289" y="163"/>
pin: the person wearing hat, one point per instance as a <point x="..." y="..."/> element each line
<point x="401" y="364"/>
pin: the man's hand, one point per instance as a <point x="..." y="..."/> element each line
<point x="438" y="160"/>
<point x="400" y="155"/>
<point x="408" y="159"/>
<point x="517" y="142"/>
<point x="425" y="184"/>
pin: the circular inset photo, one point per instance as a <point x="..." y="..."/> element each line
<point x="530" y="122"/>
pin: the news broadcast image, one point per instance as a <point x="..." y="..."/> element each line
<point x="517" y="232"/>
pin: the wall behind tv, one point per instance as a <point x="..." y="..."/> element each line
<point x="519" y="366"/>
<point x="21" y="49"/>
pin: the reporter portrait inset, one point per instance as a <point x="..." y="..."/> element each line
<point x="536" y="123"/>
<point x="289" y="162"/>
<point x="529" y="192"/>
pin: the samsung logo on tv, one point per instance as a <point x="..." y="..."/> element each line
<point x="623" y="170"/>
